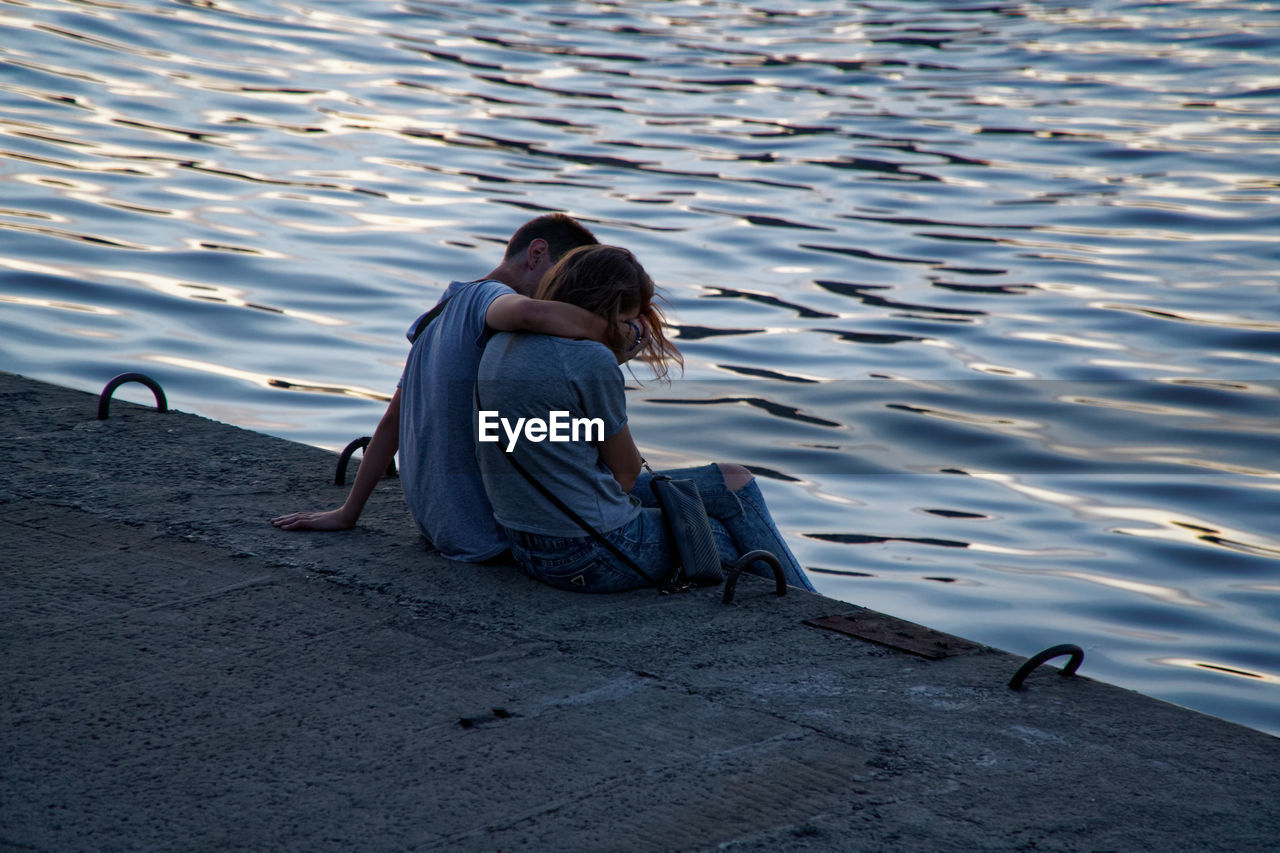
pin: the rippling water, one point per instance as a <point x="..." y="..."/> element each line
<point x="986" y="292"/>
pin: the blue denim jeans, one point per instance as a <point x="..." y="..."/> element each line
<point x="580" y="564"/>
<point x="743" y="515"/>
<point x="740" y="522"/>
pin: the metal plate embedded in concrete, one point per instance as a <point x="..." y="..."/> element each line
<point x="896" y="633"/>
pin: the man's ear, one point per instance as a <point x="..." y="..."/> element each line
<point x="537" y="251"/>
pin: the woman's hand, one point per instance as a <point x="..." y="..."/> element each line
<point x="635" y="331"/>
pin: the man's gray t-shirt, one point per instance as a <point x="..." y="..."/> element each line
<point x="438" y="468"/>
<point x="532" y="376"/>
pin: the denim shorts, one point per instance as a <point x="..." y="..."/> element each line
<point x="580" y="564"/>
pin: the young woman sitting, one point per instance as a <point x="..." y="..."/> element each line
<point x="534" y="390"/>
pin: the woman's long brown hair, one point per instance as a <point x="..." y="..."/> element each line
<point x="608" y="281"/>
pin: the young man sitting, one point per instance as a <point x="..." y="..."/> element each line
<point x="429" y="418"/>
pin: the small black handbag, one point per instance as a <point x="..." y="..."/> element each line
<point x="690" y="529"/>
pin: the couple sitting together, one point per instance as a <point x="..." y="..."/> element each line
<point x="545" y="333"/>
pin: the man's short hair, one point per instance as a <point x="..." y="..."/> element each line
<point x="561" y="231"/>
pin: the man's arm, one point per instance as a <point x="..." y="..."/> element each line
<point x="377" y="456"/>
<point x="619" y="454"/>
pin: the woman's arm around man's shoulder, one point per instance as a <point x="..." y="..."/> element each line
<point x="512" y="312"/>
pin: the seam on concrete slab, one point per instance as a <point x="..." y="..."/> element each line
<point x="174" y="604"/>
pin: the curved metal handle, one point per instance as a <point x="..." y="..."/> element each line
<point x="1077" y="657"/>
<point x="104" y="402"/>
<point x="735" y="571"/>
<point x="340" y="478"/>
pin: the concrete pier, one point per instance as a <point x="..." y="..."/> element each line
<point x="179" y="675"/>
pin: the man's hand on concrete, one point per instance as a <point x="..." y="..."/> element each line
<point x="334" y="519"/>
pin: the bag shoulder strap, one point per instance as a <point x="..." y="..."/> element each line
<point x="429" y="316"/>
<point x="435" y="312"/>
<point x="563" y="507"/>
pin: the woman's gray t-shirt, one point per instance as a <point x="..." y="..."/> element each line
<point x="535" y="377"/>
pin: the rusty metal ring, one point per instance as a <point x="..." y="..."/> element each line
<point x="104" y="402"/>
<point x="340" y="478"/>
<point x="735" y="571"/>
<point x="1077" y="657"/>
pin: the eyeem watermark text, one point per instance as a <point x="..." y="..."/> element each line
<point x="557" y="427"/>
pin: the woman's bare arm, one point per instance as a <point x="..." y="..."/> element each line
<point x="619" y="454"/>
